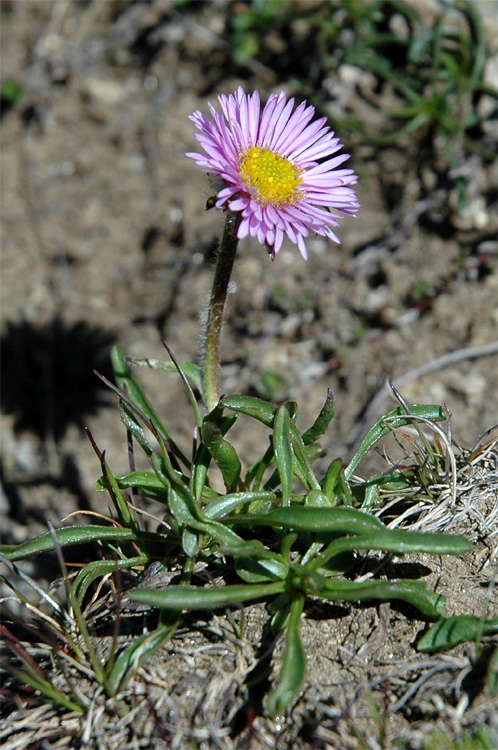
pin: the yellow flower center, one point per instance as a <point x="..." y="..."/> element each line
<point x="271" y="178"/>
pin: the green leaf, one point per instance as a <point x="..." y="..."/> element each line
<point x="454" y="630"/>
<point x="192" y="542"/>
<point x="121" y="505"/>
<point x="293" y="666"/>
<point x="284" y="456"/>
<point x="261" y="410"/>
<point x="223" y="534"/>
<point x="393" y="481"/>
<point x="398" y="542"/>
<point x="193" y="372"/>
<point x="193" y="597"/>
<point x="126" y="381"/>
<point x="286" y="545"/>
<point x="302" y="461"/>
<point x="131" y="423"/>
<point x="342" y="489"/>
<point x="301" y="518"/>
<point x="395" y="418"/>
<point x="317" y="499"/>
<point x="412" y="592"/>
<point x="75" y="535"/>
<point x="254" y="570"/>
<point x="279" y="609"/>
<point x="142" y="649"/>
<point x="255" y="474"/>
<point x="255" y="563"/>
<point x="181" y="502"/>
<point x="188" y="388"/>
<point x="98" y="568"/>
<point x="322" y="421"/>
<point x="200" y="472"/>
<point x="251" y="548"/>
<point x="223" y="453"/>
<point x="265" y="413"/>
<point x="146" y="481"/>
<point x="221" y="506"/>
<point x="335" y="486"/>
<point x="331" y="480"/>
<point x="183" y="510"/>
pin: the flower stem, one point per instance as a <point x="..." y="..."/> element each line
<point x="214" y="316"/>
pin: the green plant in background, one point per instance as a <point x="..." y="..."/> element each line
<point x="253" y="20"/>
<point x="11" y="91"/>
<point x="273" y="385"/>
<point x="435" y="67"/>
<point x="278" y="532"/>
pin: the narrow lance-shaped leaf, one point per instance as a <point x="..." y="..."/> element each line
<point x="192" y="542"/>
<point x="182" y="510"/>
<point x="395" y="418"/>
<point x="131" y="423"/>
<point x="99" y="568"/>
<point x="257" y="470"/>
<point x="259" y="570"/>
<point x="223" y="453"/>
<point x="340" y="520"/>
<point x="454" y="630"/>
<point x="76" y="535"/>
<point x="331" y="480"/>
<point x="261" y="410"/>
<point x="180" y="500"/>
<point x="193" y="597"/>
<point x="335" y="485"/>
<point x="322" y="421"/>
<point x="192" y="371"/>
<point x="343" y="490"/>
<point x="265" y="412"/>
<point x="200" y="471"/>
<point x="223" y="534"/>
<point x="188" y="387"/>
<point x="254" y="563"/>
<point x="284" y="456"/>
<point x="302" y="461"/>
<point x="45" y="687"/>
<point x="124" y="377"/>
<point x="146" y="481"/>
<point x="122" y="508"/>
<point x="133" y="657"/>
<point x="293" y="666"/>
<point x="398" y="542"/>
<point x="221" y="506"/>
<point x="412" y="592"/>
<point x="257" y="408"/>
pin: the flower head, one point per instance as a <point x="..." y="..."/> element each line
<point x="277" y="168"/>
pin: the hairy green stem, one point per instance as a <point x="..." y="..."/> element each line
<point x="214" y="317"/>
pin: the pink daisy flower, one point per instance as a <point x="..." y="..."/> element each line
<point x="278" y="170"/>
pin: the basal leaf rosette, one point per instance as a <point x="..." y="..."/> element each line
<point x="277" y="167"/>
